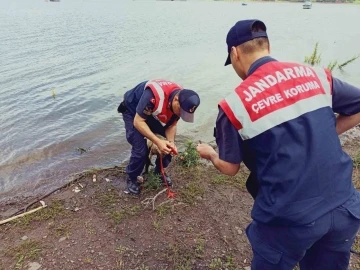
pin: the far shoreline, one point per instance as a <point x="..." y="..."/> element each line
<point x="284" y="1"/>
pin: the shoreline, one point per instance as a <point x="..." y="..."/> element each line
<point x="94" y="225"/>
<point x="284" y="1"/>
<point x="346" y="137"/>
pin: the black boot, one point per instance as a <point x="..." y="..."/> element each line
<point x="133" y="187"/>
<point x="168" y="179"/>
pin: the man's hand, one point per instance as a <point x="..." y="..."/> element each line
<point x="205" y="151"/>
<point x="164" y="147"/>
<point x="174" y="148"/>
<point x="143" y="128"/>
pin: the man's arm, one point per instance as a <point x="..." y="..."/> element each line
<point x="143" y="128"/>
<point x="344" y="123"/>
<point x="144" y="109"/>
<point x="224" y="166"/>
<point x="170" y="132"/>
<point x="229" y="144"/>
<point x="346" y="102"/>
<point x="170" y="128"/>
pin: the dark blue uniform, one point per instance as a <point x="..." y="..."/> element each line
<point x="138" y="100"/>
<point x="324" y="233"/>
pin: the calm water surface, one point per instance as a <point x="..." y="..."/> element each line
<point x="89" y="52"/>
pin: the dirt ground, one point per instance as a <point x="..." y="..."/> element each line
<point x="100" y="227"/>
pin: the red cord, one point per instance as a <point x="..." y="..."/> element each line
<point x="170" y="193"/>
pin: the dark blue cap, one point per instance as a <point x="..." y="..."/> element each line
<point x="241" y="33"/>
<point x="189" y="100"/>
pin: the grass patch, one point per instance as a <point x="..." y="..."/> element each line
<point x="163" y="210"/>
<point x="90" y="229"/>
<point x="356" y="245"/>
<point x="190" y="157"/>
<point x="352" y="59"/>
<point x="356" y="171"/>
<point x="356" y="159"/>
<point x="61" y="230"/>
<point x="356" y="180"/>
<point x="315" y="59"/>
<point x="238" y="180"/>
<point x="122" y="250"/>
<point x="191" y="193"/>
<point x="226" y="262"/>
<point x="54" y="210"/>
<point x="27" y="250"/>
<point x="195" y="174"/>
<point x="156" y="225"/>
<point x="152" y="182"/>
<point x="199" y="248"/>
<point x="180" y="256"/>
<point x="107" y="199"/>
<point x="119" y="215"/>
<point x="221" y="179"/>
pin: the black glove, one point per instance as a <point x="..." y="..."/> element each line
<point x="122" y="107"/>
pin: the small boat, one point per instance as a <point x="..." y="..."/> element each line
<point x="307" y="5"/>
<point x="244" y="4"/>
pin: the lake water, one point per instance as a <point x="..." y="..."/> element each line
<point x="89" y="52"/>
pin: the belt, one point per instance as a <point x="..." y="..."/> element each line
<point x="122" y="106"/>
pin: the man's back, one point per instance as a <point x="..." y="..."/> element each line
<point x="302" y="170"/>
<point x="133" y="96"/>
<point x="280" y="122"/>
<point x="284" y="116"/>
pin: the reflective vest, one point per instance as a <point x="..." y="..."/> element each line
<point x="162" y="90"/>
<point x="276" y="93"/>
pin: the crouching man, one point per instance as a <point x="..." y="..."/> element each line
<point x="154" y="106"/>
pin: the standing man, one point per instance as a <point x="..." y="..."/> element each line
<point x="154" y="106"/>
<point x="280" y="122"/>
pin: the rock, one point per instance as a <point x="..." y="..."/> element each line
<point x="34" y="266"/>
<point x="24" y="238"/>
<point x="239" y="231"/>
<point x="62" y="239"/>
<point x="247" y="268"/>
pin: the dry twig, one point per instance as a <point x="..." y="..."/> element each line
<point x="147" y="201"/>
